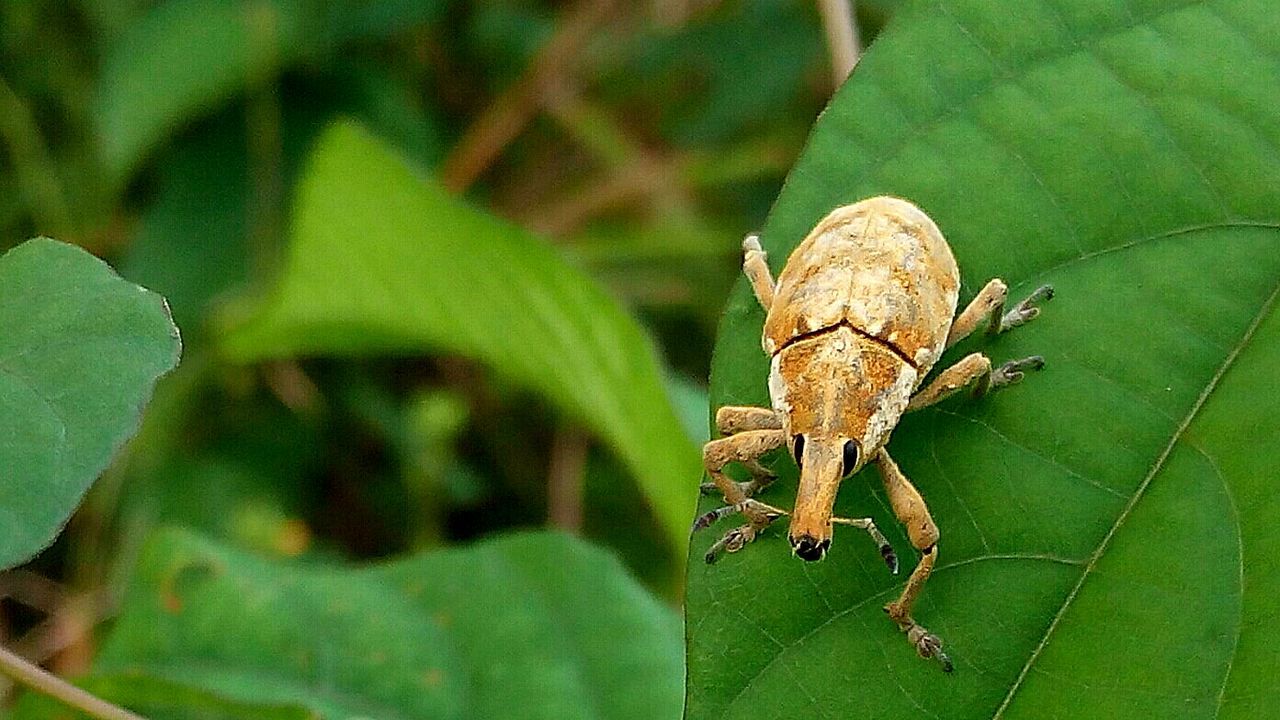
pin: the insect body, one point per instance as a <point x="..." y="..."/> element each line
<point x="855" y="322"/>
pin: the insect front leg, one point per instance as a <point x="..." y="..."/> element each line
<point x="757" y="270"/>
<point x="744" y="447"/>
<point x="975" y="370"/>
<point x="869" y="525"/>
<point x="911" y="511"/>
<point x="731" y="420"/>
<point x="989" y="306"/>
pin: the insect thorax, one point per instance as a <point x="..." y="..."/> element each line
<point x="840" y="384"/>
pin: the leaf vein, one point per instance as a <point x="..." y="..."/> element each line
<point x="1159" y="463"/>
<point x="1043" y="557"/>
<point x="1235" y="517"/>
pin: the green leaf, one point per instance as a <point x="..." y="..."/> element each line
<point x="727" y="68"/>
<point x="383" y="262"/>
<point x="186" y="57"/>
<point x="1107" y="526"/>
<point x="532" y="626"/>
<point x="80" y="350"/>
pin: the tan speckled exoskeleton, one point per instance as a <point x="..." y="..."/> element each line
<point x="859" y="315"/>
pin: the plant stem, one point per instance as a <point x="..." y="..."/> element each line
<point x="842" y="37"/>
<point x="565" y="479"/>
<point x="55" y="687"/>
<point x="519" y="103"/>
<point x="263" y="123"/>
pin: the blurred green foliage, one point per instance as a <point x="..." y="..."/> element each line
<point x="533" y="625"/>
<point x="173" y="138"/>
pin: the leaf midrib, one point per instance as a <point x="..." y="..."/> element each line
<point x="1264" y="311"/>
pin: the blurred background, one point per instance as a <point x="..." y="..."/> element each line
<point x="639" y="139"/>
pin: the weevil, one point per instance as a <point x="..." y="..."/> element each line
<point x="862" y="310"/>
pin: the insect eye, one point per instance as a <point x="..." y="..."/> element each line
<point x="797" y="449"/>
<point x="850" y="457"/>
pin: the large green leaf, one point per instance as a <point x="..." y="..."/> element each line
<point x="382" y="261"/>
<point x="80" y="350"/>
<point x="1107" y="526"/>
<point x="531" y="626"/>
<point x="187" y="57"/>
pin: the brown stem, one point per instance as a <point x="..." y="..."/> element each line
<point x="565" y="479"/>
<point x="503" y="120"/>
<point x="63" y="641"/>
<point x="35" y="591"/>
<point x="627" y="183"/>
<point x="55" y="687"/>
<point x="292" y="386"/>
<point x="263" y="125"/>
<point x="842" y="37"/>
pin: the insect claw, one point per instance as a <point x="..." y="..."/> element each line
<point x="733" y="541"/>
<point x="1013" y="371"/>
<point x="1026" y="311"/>
<point x="1042" y="293"/>
<point x="926" y="643"/>
<point x="751" y="243"/>
<point x="946" y="661"/>
<point x="715" y="551"/>
<point x="890" y="557"/>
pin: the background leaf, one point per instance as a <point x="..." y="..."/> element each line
<point x="383" y="262"/>
<point x="80" y="351"/>
<point x="1106" y="526"/>
<point x="530" y="625"/>
<point x="188" y="56"/>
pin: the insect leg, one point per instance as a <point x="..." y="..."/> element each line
<point x="911" y="511"/>
<point x="744" y="447"/>
<point x="989" y="306"/>
<point x="757" y="270"/>
<point x="975" y="370"/>
<point x="989" y="303"/>
<point x="1024" y="312"/>
<point x="886" y="550"/>
<point x="731" y="420"/>
<point x="737" y="538"/>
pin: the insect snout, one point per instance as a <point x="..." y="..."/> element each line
<point x="807" y="547"/>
